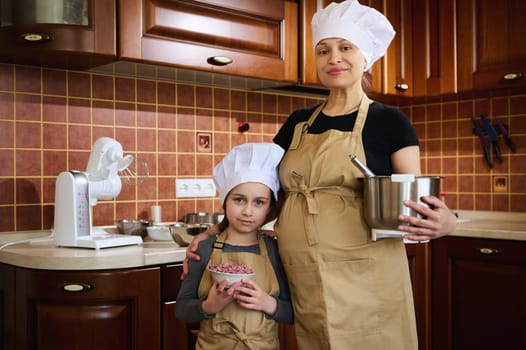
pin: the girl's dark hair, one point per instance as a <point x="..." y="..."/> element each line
<point x="224" y="223"/>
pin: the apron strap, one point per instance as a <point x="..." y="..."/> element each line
<point x="359" y="123"/>
<point x="215" y="257"/>
<point x="301" y="128"/>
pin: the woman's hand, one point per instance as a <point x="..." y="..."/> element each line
<point x="192" y="247"/>
<point x="218" y="298"/>
<point x="250" y="296"/>
<point x="438" y="222"/>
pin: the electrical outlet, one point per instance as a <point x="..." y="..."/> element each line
<point x="188" y="188"/>
<point x="500" y="184"/>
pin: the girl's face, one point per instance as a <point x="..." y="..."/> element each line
<point x="247" y="206"/>
<point x="339" y="63"/>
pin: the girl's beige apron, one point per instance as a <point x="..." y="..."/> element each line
<point x="235" y="327"/>
<point x="348" y="292"/>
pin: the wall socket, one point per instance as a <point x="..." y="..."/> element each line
<point x="500" y="184"/>
<point x="188" y="188"/>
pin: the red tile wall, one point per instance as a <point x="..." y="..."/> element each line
<point x="451" y="150"/>
<point x="49" y="119"/>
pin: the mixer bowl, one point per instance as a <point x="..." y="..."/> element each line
<point x="384" y="196"/>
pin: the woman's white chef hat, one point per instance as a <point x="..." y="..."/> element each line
<point x="362" y="25"/>
<point x="249" y="162"/>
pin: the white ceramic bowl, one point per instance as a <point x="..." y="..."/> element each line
<point x="230" y="277"/>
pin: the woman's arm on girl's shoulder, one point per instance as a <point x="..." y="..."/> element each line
<point x="188" y="303"/>
<point x="192" y="249"/>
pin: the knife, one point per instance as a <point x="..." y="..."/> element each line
<point x="492" y="135"/>
<point x="483" y="142"/>
<point x="504" y="132"/>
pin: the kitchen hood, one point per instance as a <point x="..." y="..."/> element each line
<point x="184" y="75"/>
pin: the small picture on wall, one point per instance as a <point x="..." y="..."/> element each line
<point x="204" y="142"/>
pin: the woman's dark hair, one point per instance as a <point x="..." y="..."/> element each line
<point x="224" y="223"/>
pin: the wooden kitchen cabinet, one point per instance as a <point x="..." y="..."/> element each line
<point x="397" y="73"/>
<point x="88" y="43"/>
<point x="7" y="307"/>
<point x="466" y="45"/>
<point x="117" y="309"/>
<point x="176" y="334"/>
<point x="260" y="37"/>
<point x="307" y="67"/>
<point x="433" y="45"/>
<point x="479" y="294"/>
<point x="491" y="45"/>
<point x="418" y="256"/>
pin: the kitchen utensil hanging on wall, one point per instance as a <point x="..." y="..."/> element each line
<point x="493" y="136"/>
<point x="483" y="141"/>
<point x="505" y="132"/>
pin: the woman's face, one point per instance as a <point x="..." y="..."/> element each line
<point x="247" y="206"/>
<point x="339" y="63"/>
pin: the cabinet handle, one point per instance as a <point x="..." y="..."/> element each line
<point x="76" y="287"/>
<point x="512" y="76"/>
<point x="489" y="251"/>
<point x="402" y="87"/>
<point x="219" y="60"/>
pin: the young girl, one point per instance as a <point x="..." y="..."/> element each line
<point x="244" y="315"/>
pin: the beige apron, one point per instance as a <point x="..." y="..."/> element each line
<point x="235" y="327"/>
<point x="348" y="292"/>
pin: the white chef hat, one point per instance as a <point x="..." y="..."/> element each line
<point x="362" y="25"/>
<point x="249" y="162"/>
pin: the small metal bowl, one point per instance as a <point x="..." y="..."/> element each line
<point x="133" y="227"/>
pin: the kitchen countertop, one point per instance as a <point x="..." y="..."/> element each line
<point x="491" y="224"/>
<point x="36" y="249"/>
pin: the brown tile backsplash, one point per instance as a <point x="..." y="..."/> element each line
<point x="49" y="119"/>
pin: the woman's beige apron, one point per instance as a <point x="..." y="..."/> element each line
<point x="235" y="327"/>
<point x="348" y="291"/>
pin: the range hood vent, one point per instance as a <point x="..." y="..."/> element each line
<point x="182" y="75"/>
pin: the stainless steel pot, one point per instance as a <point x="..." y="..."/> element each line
<point x="183" y="233"/>
<point x="384" y="196"/>
<point x="133" y="227"/>
<point x="202" y="218"/>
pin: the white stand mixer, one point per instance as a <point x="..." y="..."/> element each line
<point x="76" y="192"/>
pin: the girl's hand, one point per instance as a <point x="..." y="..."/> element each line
<point x="250" y="296"/>
<point x="218" y="298"/>
<point x="439" y="220"/>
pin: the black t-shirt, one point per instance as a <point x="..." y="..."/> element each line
<point x="386" y="130"/>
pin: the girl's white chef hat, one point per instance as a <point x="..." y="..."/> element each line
<point x="249" y="162"/>
<point x="362" y="25"/>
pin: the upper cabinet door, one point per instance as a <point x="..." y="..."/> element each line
<point x="75" y="34"/>
<point x="258" y="37"/>
<point x="307" y="68"/>
<point x="397" y="69"/>
<point x="434" y="66"/>
<point x="491" y="45"/>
